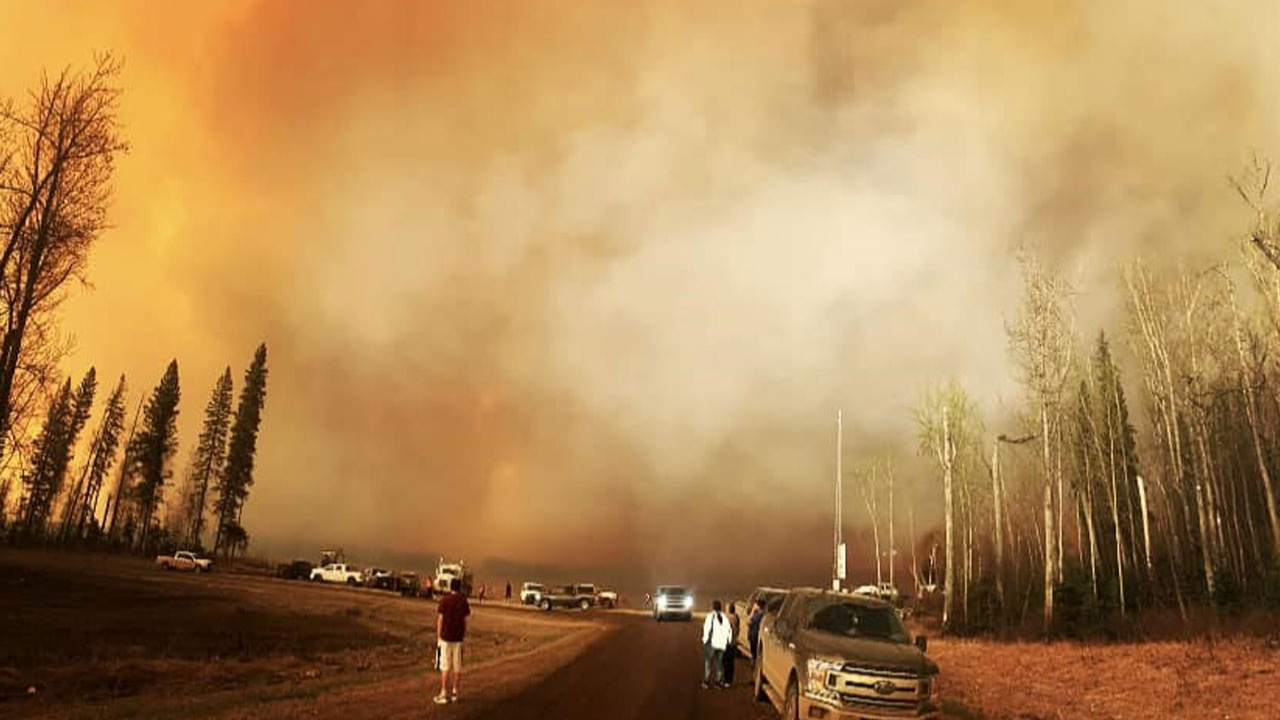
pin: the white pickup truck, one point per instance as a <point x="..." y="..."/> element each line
<point x="337" y="573"/>
<point x="184" y="560"/>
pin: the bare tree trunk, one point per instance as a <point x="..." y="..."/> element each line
<point x="1115" y="514"/>
<point x="1251" y="411"/>
<point x="1093" y="540"/>
<point x="999" y="528"/>
<point x="1146" y="529"/>
<point x="915" y="560"/>
<point x="1049" y="554"/>
<point x="948" y="455"/>
<point x="892" y="558"/>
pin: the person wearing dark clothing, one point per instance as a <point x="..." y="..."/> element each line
<point x="731" y="652"/>
<point x="508" y="591"/>
<point x="753" y="629"/>
<point x="451" y="630"/>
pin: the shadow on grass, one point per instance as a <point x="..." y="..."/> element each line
<point x="953" y="710"/>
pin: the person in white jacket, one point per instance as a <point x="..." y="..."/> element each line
<point x="717" y="634"/>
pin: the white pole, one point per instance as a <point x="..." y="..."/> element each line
<point x="839" y="530"/>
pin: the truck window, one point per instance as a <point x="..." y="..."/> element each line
<point x="853" y="620"/>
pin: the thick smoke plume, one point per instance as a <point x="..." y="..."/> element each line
<point x="584" y="283"/>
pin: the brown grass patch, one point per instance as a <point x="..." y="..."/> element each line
<point x="1033" y="681"/>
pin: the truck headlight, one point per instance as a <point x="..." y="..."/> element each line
<point x="662" y="601"/>
<point x="819" y="681"/>
<point x="929" y="687"/>
<point x="688" y="601"/>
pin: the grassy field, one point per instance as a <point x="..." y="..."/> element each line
<point x="95" y="636"/>
<point x="1222" y="680"/>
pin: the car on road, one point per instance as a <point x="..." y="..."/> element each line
<point x="582" y="597"/>
<point x="607" y="599"/>
<point x="842" y="656"/>
<point x="531" y="593"/>
<point x="337" y="573"/>
<point x="672" y="601"/>
<point x="772" y="598"/>
<point x="184" y="560"/>
<point x="295" y="570"/>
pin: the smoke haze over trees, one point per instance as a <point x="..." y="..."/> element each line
<point x="637" y="257"/>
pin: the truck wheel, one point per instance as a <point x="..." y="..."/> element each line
<point x="761" y="695"/>
<point x="352" y="582"/>
<point x="546" y="605"/>
<point x="791" y="708"/>
<point x="584" y="604"/>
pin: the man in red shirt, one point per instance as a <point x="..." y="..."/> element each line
<point x="451" y="628"/>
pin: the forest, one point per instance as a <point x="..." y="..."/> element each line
<point x="112" y="485"/>
<point x="1137" y="479"/>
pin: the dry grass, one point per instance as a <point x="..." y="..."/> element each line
<point x="1204" y="680"/>
<point x="102" y="632"/>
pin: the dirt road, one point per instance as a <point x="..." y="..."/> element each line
<point x="643" y="669"/>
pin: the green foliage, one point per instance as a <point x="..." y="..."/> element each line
<point x="152" y="448"/>
<point x="1077" y="611"/>
<point x="208" y="458"/>
<point x="237" y="475"/>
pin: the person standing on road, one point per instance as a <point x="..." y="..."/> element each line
<point x="451" y="629"/>
<point x="508" y="591"/>
<point x="715" y="639"/>
<point x="753" y="629"/>
<point x="731" y="652"/>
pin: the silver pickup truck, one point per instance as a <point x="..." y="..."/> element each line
<point x="840" y="656"/>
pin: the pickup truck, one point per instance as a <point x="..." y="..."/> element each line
<point x="579" y="596"/>
<point x="607" y="599"/>
<point x="842" y="656"/>
<point x="531" y="593"/>
<point x="337" y="573"/>
<point x="184" y="560"/>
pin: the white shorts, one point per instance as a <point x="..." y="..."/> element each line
<point x="450" y="656"/>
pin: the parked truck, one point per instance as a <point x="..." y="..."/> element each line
<point x="582" y="597"/>
<point x="337" y="573"/>
<point x="843" y="656"/>
<point x="184" y="560"/>
<point x="447" y="572"/>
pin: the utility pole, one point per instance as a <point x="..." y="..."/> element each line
<point x="838" y="571"/>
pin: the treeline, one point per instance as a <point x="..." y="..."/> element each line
<point x="1081" y="511"/>
<point x="117" y="502"/>
<point x="57" y="156"/>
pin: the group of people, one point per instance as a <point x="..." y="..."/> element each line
<point x="719" y="647"/>
<point x="719" y="633"/>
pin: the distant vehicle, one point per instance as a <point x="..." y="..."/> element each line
<point x="447" y="572"/>
<point x="295" y="570"/>
<point x="773" y="598"/>
<point x="184" y="560"/>
<point x="672" y="601"/>
<point x="840" y="655"/>
<point x="408" y="584"/>
<point x="337" y="573"/>
<point x="607" y="599"/>
<point x="531" y="593"/>
<point x="889" y="592"/>
<point x="582" y="597"/>
<point x="379" y="578"/>
<point x="885" y="591"/>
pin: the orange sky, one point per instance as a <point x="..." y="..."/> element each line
<point x="534" y="273"/>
